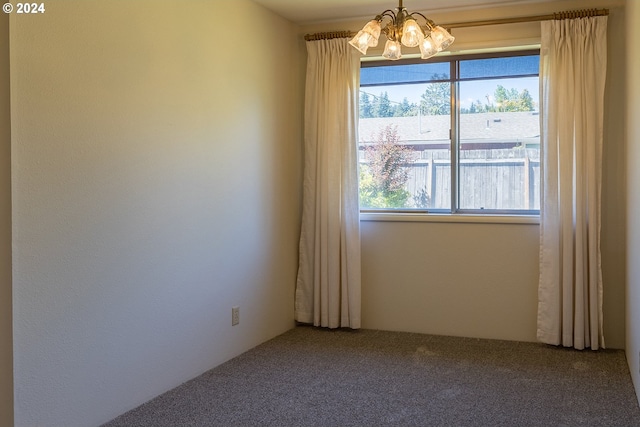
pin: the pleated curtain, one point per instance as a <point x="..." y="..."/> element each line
<point x="573" y="62"/>
<point x="328" y="283"/>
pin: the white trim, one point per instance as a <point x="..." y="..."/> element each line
<point x="452" y="218"/>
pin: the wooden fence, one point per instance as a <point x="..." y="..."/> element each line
<point x="491" y="179"/>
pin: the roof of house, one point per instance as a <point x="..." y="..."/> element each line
<point x="428" y="130"/>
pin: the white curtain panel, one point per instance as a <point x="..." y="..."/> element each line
<point x="573" y="64"/>
<point x="328" y="283"/>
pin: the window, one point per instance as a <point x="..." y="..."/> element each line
<point x="453" y="135"/>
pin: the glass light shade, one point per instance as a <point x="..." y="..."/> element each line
<point x="412" y="34"/>
<point x="441" y="38"/>
<point x="366" y="37"/>
<point x="373" y="27"/>
<point x="392" y="50"/>
<point x="428" y="48"/>
<point x="361" y="41"/>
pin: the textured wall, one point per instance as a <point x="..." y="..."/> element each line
<point x="633" y="183"/>
<point x="473" y="280"/>
<point x="157" y="181"/>
<point x="6" y="344"/>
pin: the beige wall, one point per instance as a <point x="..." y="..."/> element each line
<point x="157" y="182"/>
<point x="6" y="343"/>
<point x="473" y="280"/>
<point x="480" y="280"/>
<point x="633" y="183"/>
<point x="614" y="199"/>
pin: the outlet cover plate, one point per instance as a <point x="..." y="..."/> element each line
<point x="235" y="316"/>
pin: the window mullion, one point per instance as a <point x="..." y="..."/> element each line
<point x="454" y="135"/>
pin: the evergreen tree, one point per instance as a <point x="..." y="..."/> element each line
<point x="405" y="109"/>
<point x="384" y="108"/>
<point x="436" y="99"/>
<point x="366" y="108"/>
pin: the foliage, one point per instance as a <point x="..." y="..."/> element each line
<point x="436" y="99"/>
<point x="506" y="100"/>
<point x="422" y="199"/>
<point x="372" y="197"/>
<point x="383" y="178"/>
<point x="405" y="109"/>
<point x="366" y="108"/>
<point x="381" y="106"/>
<point x="511" y="100"/>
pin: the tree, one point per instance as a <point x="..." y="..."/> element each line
<point x="405" y="109"/>
<point x="510" y="100"/>
<point x="366" y="109"/>
<point x="525" y="101"/>
<point x="383" y="178"/>
<point x="475" y="107"/>
<point x="436" y="99"/>
<point x="501" y="96"/>
<point x="384" y="108"/>
<point x="506" y="100"/>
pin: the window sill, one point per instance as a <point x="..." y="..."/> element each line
<point x="451" y="218"/>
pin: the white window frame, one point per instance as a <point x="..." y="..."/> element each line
<point x="455" y="213"/>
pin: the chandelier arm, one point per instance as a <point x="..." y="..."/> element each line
<point x="389" y="30"/>
<point x="429" y="22"/>
<point x="419" y="14"/>
<point x="389" y="14"/>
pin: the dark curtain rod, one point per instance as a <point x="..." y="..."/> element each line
<point x="571" y="14"/>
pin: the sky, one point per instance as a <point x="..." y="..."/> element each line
<point x="478" y="78"/>
<point x="469" y="91"/>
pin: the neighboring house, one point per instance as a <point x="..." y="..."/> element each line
<point x="501" y="151"/>
<point x="479" y="130"/>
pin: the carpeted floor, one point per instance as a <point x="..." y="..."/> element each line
<point x="312" y="377"/>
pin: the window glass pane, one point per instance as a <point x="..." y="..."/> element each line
<point x="500" y="67"/>
<point x="404" y="146"/>
<point x="404" y="135"/>
<point x="499" y="144"/>
<point x="410" y="73"/>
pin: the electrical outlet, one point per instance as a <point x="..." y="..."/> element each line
<point x="235" y="316"/>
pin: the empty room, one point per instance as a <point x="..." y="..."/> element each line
<point x="319" y="212"/>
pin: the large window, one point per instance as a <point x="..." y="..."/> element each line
<point x="458" y="135"/>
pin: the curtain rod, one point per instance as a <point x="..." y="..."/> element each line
<point x="571" y="14"/>
<point x="329" y="35"/>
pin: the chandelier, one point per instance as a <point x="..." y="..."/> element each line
<point x="402" y="28"/>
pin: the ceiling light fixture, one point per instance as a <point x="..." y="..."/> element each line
<point x="402" y="28"/>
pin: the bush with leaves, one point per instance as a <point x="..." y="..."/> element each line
<point x="383" y="177"/>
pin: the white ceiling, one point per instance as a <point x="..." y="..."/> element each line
<point x="312" y="11"/>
